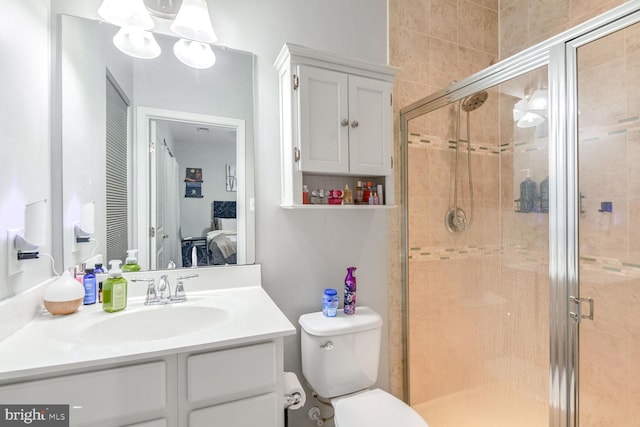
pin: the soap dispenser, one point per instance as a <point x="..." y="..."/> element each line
<point x="131" y="262"/>
<point x="114" y="289"/>
<point x="528" y="190"/>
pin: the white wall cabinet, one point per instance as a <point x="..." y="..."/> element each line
<point x="235" y="387"/>
<point x="336" y="120"/>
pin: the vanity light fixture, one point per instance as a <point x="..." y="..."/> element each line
<point x="134" y="20"/>
<point x="192" y="23"/>
<point x="126" y="13"/>
<point x="22" y="243"/>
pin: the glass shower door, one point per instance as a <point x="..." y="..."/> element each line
<point x="478" y="286"/>
<point x="608" y="88"/>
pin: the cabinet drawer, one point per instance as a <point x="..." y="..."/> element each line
<point x="228" y="372"/>
<point x="255" y="411"/>
<point x="97" y="396"/>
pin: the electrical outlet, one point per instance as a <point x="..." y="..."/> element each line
<point x="14" y="266"/>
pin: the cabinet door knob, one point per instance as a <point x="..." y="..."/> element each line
<point x="355" y="124"/>
<point x="296" y="154"/>
<point x="345" y="122"/>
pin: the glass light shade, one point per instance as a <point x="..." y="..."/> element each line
<point x="519" y="109"/>
<point x="126" y="13"/>
<point x="539" y="100"/>
<point x="530" y="120"/>
<point x="193" y="22"/>
<point x="194" y="54"/>
<point x="137" y="43"/>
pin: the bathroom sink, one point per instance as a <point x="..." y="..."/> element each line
<point x="151" y="323"/>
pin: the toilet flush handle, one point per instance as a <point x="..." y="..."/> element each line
<point x="327" y="346"/>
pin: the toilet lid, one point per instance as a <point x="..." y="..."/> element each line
<point x="375" y="408"/>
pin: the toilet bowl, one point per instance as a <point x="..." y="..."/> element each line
<point x="340" y="358"/>
<point x="374" y="408"/>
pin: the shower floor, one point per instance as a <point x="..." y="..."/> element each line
<point x="492" y="405"/>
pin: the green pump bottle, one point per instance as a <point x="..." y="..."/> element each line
<point x="114" y="289"/>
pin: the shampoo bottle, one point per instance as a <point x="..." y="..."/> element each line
<point x="131" y="262"/>
<point x="114" y="289"/>
<point x="350" y="292"/>
<point x="527" y="193"/>
<point x="544" y="195"/>
<point x="89" y="283"/>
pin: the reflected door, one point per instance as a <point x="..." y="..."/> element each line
<point x="609" y="228"/>
<point x="165" y="203"/>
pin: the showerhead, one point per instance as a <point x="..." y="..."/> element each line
<point x="475" y="101"/>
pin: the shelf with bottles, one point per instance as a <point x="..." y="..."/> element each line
<point x="342" y="192"/>
<point x="531" y="200"/>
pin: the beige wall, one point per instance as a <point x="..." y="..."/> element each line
<point x="434" y="42"/>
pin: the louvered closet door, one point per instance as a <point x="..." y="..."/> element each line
<point x="117" y="174"/>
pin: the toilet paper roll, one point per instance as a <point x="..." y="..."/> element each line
<point x="293" y="389"/>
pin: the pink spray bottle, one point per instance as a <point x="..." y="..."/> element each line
<point x="350" y="292"/>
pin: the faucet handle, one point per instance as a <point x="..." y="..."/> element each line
<point x="152" y="295"/>
<point x="180" y="294"/>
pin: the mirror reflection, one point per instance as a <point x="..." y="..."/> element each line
<point x="162" y="152"/>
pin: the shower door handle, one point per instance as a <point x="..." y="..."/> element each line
<point x="577" y="315"/>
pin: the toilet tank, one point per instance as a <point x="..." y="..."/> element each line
<point x="340" y="354"/>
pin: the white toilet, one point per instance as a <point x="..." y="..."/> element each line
<point x="340" y="362"/>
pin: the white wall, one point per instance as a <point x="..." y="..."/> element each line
<point x="25" y="175"/>
<point x="211" y="157"/>
<point x="301" y="252"/>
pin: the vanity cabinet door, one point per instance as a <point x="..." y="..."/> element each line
<point x="228" y="374"/>
<point x="323" y="136"/>
<point x="155" y="423"/>
<point x="102" y="398"/>
<point x="255" y="411"/>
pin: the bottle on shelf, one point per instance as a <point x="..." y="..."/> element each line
<point x="528" y="190"/>
<point x="366" y="192"/>
<point x="347" y="196"/>
<point x="359" y="192"/>
<point x="305" y="195"/>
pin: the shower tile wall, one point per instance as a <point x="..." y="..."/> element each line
<point x="434" y="42"/>
<point x="609" y="148"/>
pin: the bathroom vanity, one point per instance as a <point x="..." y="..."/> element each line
<point x="216" y="359"/>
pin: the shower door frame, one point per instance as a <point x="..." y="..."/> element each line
<point x="559" y="54"/>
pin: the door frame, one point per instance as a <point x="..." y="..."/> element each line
<point x="141" y="177"/>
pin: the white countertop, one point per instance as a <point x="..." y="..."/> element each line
<point x="53" y="344"/>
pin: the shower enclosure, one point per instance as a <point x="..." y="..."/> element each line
<point x="531" y="316"/>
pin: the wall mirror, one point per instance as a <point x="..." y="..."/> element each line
<point x="179" y="185"/>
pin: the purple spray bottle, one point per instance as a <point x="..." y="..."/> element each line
<point x="350" y="292"/>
